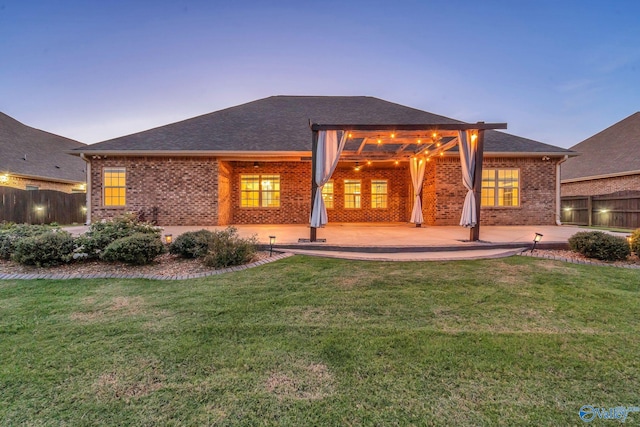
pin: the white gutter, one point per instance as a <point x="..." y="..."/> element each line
<point x="88" y="192"/>
<point x="558" y="188"/>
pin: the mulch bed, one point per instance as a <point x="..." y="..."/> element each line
<point x="166" y="265"/>
<point x="562" y="255"/>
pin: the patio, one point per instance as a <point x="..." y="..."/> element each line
<point x="397" y="237"/>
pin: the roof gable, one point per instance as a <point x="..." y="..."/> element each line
<point x="33" y="152"/>
<point x="281" y="124"/>
<point x="609" y="152"/>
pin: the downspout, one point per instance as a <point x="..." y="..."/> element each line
<point x="88" y="193"/>
<point x="558" y="188"/>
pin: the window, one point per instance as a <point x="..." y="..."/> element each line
<point x="379" y="193"/>
<point x="352" y="193"/>
<point x="114" y="185"/>
<point x="327" y="194"/>
<point x="500" y="187"/>
<point x="260" y="191"/>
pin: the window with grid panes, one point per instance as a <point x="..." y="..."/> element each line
<point x="352" y="194"/>
<point x="260" y="191"/>
<point x="500" y="187"/>
<point x="327" y="194"/>
<point x="114" y="186"/>
<point x="379" y="193"/>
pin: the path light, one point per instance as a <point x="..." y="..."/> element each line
<point x="168" y="238"/>
<point x="536" y="240"/>
<point x="272" y="241"/>
<point x="629" y="240"/>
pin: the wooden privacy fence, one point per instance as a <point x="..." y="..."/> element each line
<point x="617" y="210"/>
<point x="42" y="206"/>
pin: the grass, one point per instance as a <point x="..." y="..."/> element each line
<point x="308" y="341"/>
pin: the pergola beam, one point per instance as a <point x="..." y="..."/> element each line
<point x="417" y="127"/>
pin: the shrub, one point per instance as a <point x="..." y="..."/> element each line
<point x="102" y="234"/>
<point x="139" y="248"/>
<point x="13" y="233"/>
<point x="44" y="250"/>
<point x="635" y="241"/>
<point x="192" y="244"/>
<point x="599" y="245"/>
<point x="226" y="249"/>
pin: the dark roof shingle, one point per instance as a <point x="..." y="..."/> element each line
<point x="614" y="150"/>
<point x="33" y="152"/>
<point x="281" y="123"/>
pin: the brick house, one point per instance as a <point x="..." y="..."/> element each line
<point x="32" y="159"/>
<point x="252" y="164"/>
<point x="608" y="161"/>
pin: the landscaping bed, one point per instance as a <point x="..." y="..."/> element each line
<point x="165" y="265"/>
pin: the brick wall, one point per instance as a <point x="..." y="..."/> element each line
<point x="295" y="193"/>
<point x="205" y="191"/>
<point x="537" y="193"/>
<point x="398" y="193"/>
<point x="224" y="193"/>
<point x="21" y="183"/>
<point x="594" y="187"/>
<point x="183" y="188"/>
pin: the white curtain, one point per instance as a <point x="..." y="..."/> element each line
<point x="417" y="167"/>
<point x="327" y="156"/>
<point x="468" y="149"/>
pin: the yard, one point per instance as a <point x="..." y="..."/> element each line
<point x="309" y="341"/>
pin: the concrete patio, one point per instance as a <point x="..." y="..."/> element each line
<point x="398" y="241"/>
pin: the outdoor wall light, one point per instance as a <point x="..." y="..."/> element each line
<point x="536" y="239"/>
<point x="4" y="178"/>
<point x="39" y="208"/>
<point x="357" y="167"/>
<point x="83" y="209"/>
<point x="168" y="238"/>
<point x="256" y="165"/>
<point x="272" y="241"/>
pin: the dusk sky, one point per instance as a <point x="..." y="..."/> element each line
<point x="556" y="71"/>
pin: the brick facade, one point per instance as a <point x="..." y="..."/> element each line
<point x="22" y="183"/>
<point x="595" y="187"/>
<point x="295" y="193"/>
<point x="184" y="189"/>
<point x="537" y="193"/>
<point x="206" y="191"/>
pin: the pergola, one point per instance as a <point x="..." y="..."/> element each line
<point x="416" y="143"/>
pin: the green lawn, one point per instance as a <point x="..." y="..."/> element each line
<point x="307" y="342"/>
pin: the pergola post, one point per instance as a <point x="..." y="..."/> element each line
<point x="314" y="186"/>
<point x="477" y="183"/>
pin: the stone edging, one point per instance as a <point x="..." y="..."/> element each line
<point x="275" y="257"/>
<point x="527" y="253"/>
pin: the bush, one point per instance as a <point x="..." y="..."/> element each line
<point x="599" y="245"/>
<point x="635" y="241"/>
<point x="102" y="234"/>
<point x="226" y="249"/>
<point x="44" y="250"/>
<point x="139" y="248"/>
<point x="10" y="235"/>
<point x="192" y="244"/>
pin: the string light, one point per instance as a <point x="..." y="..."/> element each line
<point x="369" y="162"/>
<point x="379" y="140"/>
<point x="397" y="162"/>
<point x="393" y="135"/>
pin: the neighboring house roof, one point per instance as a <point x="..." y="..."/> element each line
<point x="612" y="152"/>
<point x="35" y="153"/>
<point x="281" y="124"/>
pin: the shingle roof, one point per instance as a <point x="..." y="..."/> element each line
<point x="281" y="124"/>
<point x="33" y="152"/>
<point x="615" y="150"/>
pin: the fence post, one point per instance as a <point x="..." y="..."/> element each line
<point x="590" y="210"/>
